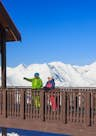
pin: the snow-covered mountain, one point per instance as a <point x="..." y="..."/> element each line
<point x="64" y="74"/>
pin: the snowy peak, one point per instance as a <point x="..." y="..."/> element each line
<point x="21" y="66"/>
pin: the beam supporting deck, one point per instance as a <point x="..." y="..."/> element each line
<point x="3" y="66"/>
<point x="3" y="58"/>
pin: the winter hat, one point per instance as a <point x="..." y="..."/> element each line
<point x="36" y="74"/>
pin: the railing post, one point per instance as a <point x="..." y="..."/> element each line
<point x="4" y="103"/>
<point x="42" y="105"/>
<point x="88" y="109"/>
<point x="4" y="131"/>
<point x="22" y="104"/>
<point x="64" y="107"/>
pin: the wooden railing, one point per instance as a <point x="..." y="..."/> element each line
<point x="72" y="105"/>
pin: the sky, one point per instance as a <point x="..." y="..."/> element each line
<point x="53" y="30"/>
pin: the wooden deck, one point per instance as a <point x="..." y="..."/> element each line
<point x="75" y="111"/>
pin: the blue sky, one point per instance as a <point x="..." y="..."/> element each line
<point x="53" y="30"/>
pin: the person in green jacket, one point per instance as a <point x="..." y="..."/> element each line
<point x="36" y="84"/>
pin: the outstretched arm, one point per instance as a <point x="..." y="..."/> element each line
<point x="28" y="79"/>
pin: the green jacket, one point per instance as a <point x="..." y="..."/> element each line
<point x="36" y="82"/>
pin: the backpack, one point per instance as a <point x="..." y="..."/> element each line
<point x="49" y="85"/>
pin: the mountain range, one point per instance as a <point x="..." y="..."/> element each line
<point x="65" y="75"/>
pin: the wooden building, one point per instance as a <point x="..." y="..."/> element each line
<point x="8" y="32"/>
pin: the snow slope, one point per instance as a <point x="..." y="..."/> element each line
<point x="64" y="74"/>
